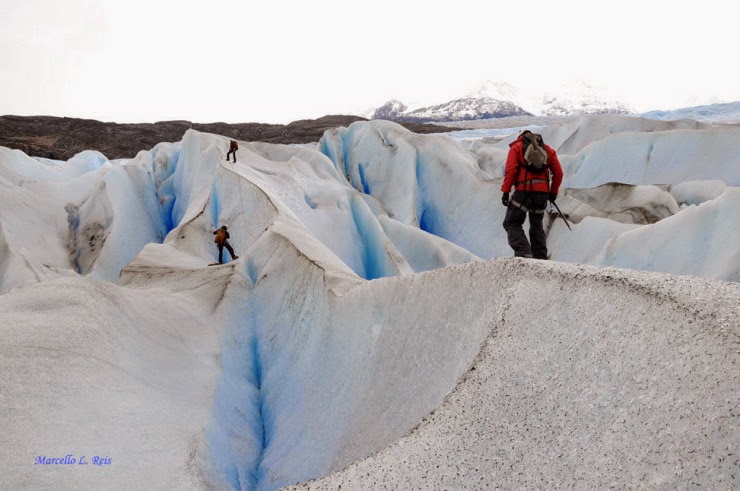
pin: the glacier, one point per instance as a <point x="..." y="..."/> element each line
<point x="374" y="329"/>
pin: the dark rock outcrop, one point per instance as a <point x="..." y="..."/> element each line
<point x="62" y="138"/>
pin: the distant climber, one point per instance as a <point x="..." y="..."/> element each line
<point x="233" y="147"/>
<point x="530" y="167"/>
<point x="222" y="240"/>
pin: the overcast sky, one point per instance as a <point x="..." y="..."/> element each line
<point x="278" y="60"/>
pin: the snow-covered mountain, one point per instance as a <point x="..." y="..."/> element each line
<point x="500" y="99"/>
<point x="567" y="99"/>
<point x="374" y="329"/>
<point x="463" y="109"/>
<point x="391" y="110"/>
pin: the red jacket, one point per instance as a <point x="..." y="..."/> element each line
<point x="517" y="175"/>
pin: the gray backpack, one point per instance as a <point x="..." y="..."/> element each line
<point x="535" y="155"/>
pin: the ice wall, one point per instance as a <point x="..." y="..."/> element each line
<point x="320" y="369"/>
<point x="332" y="361"/>
<point x="425" y="181"/>
<point x="296" y="183"/>
<point x="90" y="216"/>
<point x="622" y="173"/>
<point x="84" y="216"/>
<point x="596" y="150"/>
<point x="670" y="157"/>
<point x="699" y="242"/>
<point x="382" y="199"/>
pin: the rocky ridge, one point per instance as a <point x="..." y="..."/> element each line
<point x="62" y="138"/>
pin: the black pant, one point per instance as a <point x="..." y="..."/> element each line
<point x="515" y="219"/>
<point x="229" y="153"/>
<point x="221" y="251"/>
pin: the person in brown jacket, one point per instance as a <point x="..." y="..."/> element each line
<point x="233" y="147"/>
<point x="222" y="240"/>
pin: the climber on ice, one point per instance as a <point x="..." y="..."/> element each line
<point x="222" y="240"/>
<point x="233" y="147"/>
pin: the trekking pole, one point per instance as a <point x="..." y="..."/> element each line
<point x="561" y="215"/>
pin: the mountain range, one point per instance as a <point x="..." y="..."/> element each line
<point x="500" y="100"/>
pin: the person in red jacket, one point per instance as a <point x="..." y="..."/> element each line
<point x="532" y="189"/>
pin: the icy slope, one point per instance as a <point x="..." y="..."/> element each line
<point x="386" y="201"/>
<point x="296" y="184"/>
<point x="84" y="216"/>
<point x="669" y="157"/>
<point x="315" y="369"/>
<point x="568" y="135"/>
<point x="98" y="372"/>
<point x="427" y="181"/>
<point x="615" y="379"/>
<point x="92" y="216"/>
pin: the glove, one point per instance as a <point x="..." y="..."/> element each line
<point x="552" y="197"/>
<point x="505" y="199"/>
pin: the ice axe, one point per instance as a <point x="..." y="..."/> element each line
<point x="561" y="215"/>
